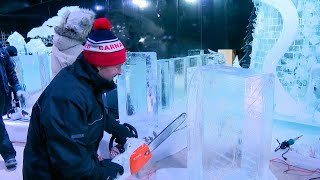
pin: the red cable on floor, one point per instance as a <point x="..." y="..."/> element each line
<point x="295" y="168"/>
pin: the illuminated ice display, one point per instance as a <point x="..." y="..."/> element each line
<point x="286" y="42"/>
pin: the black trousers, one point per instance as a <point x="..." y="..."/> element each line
<point x="6" y="148"/>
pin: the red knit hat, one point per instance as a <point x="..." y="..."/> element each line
<point x="103" y="48"/>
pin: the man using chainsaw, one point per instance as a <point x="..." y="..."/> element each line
<point x="7" y="76"/>
<point x="68" y="119"/>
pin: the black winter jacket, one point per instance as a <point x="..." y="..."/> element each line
<point x="66" y="126"/>
<point x="7" y="72"/>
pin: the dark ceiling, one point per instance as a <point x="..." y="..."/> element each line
<point x="10" y="6"/>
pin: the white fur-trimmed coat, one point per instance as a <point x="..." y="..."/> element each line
<point x="69" y="36"/>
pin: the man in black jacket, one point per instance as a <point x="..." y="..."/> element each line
<point x="68" y="120"/>
<point x="7" y="76"/>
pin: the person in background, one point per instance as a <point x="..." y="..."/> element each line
<point x="12" y="51"/>
<point x="7" y="76"/>
<point x="69" y="36"/>
<point x="68" y="120"/>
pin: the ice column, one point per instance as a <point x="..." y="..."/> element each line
<point x="229" y="122"/>
<point x="137" y="86"/>
<point x="33" y="71"/>
<point x="165" y="84"/>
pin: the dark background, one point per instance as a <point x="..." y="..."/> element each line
<point x="170" y="27"/>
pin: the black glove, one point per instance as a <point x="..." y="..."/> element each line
<point x="122" y="132"/>
<point x="111" y="169"/>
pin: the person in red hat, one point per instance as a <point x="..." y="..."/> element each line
<point x="68" y="119"/>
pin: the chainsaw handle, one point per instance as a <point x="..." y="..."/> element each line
<point x="131" y="128"/>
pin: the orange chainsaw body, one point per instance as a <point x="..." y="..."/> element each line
<point x="139" y="158"/>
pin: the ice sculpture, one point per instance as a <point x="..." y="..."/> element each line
<point x="41" y="31"/>
<point x="17" y="40"/>
<point x="36" y="46"/>
<point x="229" y="123"/>
<point x="52" y="22"/>
<point x="34" y="71"/>
<point x="165" y="83"/>
<point x="286" y="42"/>
<point x="137" y="86"/>
<point x="281" y="42"/>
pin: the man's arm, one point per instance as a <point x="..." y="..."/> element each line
<point x="63" y="122"/>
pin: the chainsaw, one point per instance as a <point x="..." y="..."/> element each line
<point x="136" y="153"/>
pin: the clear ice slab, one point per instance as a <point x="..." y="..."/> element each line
<point x="229" y="122"/>
<point x="137" y="86"/>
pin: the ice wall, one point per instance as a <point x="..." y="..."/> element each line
<point x="286" y="43"/>
<point x="229" y="122"/>
<point x="137" y="86"/>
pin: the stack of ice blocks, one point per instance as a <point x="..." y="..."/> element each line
<point x="172" y="81"/>
<point x="137" y="86"/>
<point x="229" y="123"/>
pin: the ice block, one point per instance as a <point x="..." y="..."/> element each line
<point x="137" y="86"/>
<point x="229" y="122"/>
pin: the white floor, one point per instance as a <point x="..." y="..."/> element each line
<point x="169" y="168"/>
<point x="17" y="173"/>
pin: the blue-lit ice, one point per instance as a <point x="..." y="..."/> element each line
<point x="137" y="86"/>
<point x="229" y="123"/>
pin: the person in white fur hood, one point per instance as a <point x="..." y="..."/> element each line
<point x="69" y="36"/>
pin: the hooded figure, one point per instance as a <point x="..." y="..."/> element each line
<point x="69" y="36"/>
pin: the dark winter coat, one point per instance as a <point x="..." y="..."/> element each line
<point x="66" y="126"/>
<point x="7" y="72"/>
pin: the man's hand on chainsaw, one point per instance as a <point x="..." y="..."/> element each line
<point x="111" y="169"/>
<point x="121" y="133"/>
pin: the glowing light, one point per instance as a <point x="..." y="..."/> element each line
<point x="141" y="40"/>
<point x="191" y="1"/>
<point x="140" y="3"/>
<point x="98" y="7"/>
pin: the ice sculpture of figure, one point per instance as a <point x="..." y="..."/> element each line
<point x="17" y="40"/>
<point x="229" y="137"/>
<point x="69" y="36"/>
